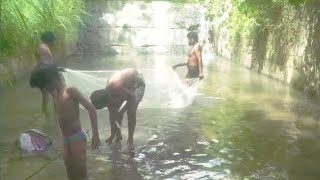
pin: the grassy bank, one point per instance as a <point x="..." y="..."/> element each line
<point x="22" y="22"/>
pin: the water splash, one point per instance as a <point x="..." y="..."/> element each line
<point x="203" y="175"/>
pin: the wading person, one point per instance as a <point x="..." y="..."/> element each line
<point x="194" y="62"/>
<point x="67" y="100"/>
<point x="124" y="86"/>
<point x="45" y="61"/>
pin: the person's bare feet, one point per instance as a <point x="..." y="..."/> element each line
<point x="130" y="149"/>
<point x="110" y="139"/>
<point x="118" y="139"/>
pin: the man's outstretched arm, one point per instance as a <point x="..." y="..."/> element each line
<point x="178" y="65"/>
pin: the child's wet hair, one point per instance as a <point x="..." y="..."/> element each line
<point x="192" y="35"/>
<point x="99" y="98"/>
<point x="47" y="37"/>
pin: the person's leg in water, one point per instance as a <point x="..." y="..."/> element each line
<point x="131" y="113"/>
<point x="75" y="156"/>
<point x="67" y="159"/>
<point x="113" y="118"/>
<point x="54" y="98"/>
<point x="133" y="106"/>
<point x="45" y="99"/>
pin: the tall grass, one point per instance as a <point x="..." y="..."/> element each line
<point x="22" y="21"/>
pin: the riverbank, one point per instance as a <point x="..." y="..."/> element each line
<point x="279" y="39"/>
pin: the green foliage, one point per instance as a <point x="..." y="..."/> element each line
<point x="300" y="2"/>
<point x="22" y="22"/>
<point x="172" y="1"/>
<point x="193" y="27"/>
<point x="271" y="29"/>
<point x="240" y="26"/>
<point x="215" y="8"/>
<point x="250" y="22"/>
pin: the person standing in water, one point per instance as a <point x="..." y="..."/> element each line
<point x="194" y="62"/>
<point x="45" y="61"/>
<point x="126" y="85"/>
<point x="67" y="100"/>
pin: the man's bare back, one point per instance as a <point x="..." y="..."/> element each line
<point x="125" y="85"/>
<point x="121" y="82"/>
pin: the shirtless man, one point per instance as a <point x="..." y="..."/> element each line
<point x="45" y="60"/>
<point x="125" y="85"/>
<point x="67" y="100"/>
<point x="194" y="63"/>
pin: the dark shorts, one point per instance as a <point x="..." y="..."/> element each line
<point x="39" y="75"/>
<point x="193" y="72"/>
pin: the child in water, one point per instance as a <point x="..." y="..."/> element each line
<point x="45" y="60"/>
<point x="67" y="100"/>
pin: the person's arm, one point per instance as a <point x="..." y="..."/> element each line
<point x="92" y="114"/>
<point x="200" y="64"/>
<point x="112" y="118"/>
<point x="178" y="65"/>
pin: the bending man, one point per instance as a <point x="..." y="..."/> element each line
<point x="126" y="85"/>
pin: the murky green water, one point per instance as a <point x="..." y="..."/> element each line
<point x="240" y="126"/>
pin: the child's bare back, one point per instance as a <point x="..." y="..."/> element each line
<point x="74" y="137"/>
<point x="68" y="110"/>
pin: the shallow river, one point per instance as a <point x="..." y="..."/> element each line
<point x="241" y="125"/>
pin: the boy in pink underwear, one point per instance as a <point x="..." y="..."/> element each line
<point x="67" y="100"/>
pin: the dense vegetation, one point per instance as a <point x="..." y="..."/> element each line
<point x="272" y="31"/>
<point x="22" y="22"/>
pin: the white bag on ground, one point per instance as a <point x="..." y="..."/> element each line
<point x="34" y="141"/>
